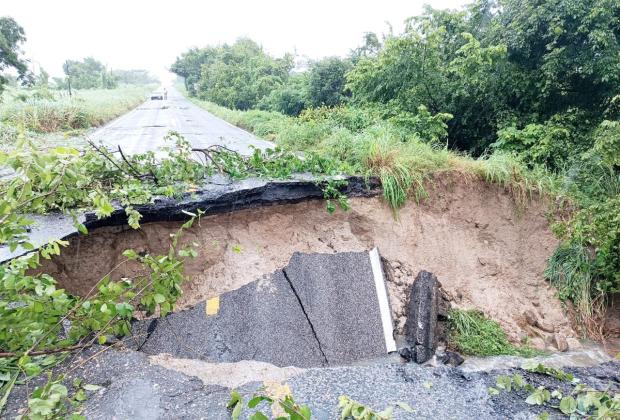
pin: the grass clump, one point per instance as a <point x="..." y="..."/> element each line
<point x="473" y="334"/>
<point x="57" y="111"/>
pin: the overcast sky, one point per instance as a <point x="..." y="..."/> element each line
<point x="150" y="34"/>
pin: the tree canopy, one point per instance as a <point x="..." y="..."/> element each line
<point x="11" y="37"/>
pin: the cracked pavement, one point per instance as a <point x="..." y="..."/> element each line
<point x="320" y="310"/>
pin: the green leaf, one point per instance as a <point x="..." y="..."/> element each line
<point x="102" y="339"/>
<point x="568" y="405"/>
<point x="257" y="399"/>
<point x="235" y="397"/>
<point x="92" y="387"/>
<point x="130" y="254"/>
<point x="258" y="416"/>
<point x="159" y="298"/>
<point x="80" y="395"/>
<point x="237" y="410"/>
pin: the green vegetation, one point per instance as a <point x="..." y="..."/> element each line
<point x="366" y="144"/>
<point x="474" y="334"/>
<point x="531" y="90"/>
<point x="86" y="74"/>
<point x="580" y="402"/>
<point x="90" y="73"/>
<point x="11" y="37"/>
<point x="48" y="111"/>
<point x="348" y="407"/>
<point x="33" y="307"/>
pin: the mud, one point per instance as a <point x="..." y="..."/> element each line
<point x="488" y="253"/>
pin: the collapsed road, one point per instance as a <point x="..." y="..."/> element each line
<point x="315" y="326"/>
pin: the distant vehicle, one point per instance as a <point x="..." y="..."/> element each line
<point x="159" y="96"/>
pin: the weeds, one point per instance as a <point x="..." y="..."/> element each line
<point x="89" y="108"/>
<point x="580" y="402"/>
<point x="571" y="271"/>
<point x="473" y="334"/>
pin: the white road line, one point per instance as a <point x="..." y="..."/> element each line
<point x="384" y="304"/>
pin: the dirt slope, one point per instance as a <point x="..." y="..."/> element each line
<point x="486" y="253"/>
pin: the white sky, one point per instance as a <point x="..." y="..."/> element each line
<point x="150" y="34"/>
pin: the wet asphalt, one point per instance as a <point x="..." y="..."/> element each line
<point x="320" y="310"/>
<point x="145" y="128"/>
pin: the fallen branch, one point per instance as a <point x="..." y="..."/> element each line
<point x="42" y="352"/>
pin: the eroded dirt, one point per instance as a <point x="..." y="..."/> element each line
<point x="486" y="253"/>
<point x="230" y="375"/>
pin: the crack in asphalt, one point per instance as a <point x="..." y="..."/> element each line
<point x="303" y="309"/>
<point x="149" y="331"/>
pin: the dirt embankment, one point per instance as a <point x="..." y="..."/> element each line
<point x="487" y="254"/>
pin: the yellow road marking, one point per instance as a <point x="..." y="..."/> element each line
<point x="213" y="306"/>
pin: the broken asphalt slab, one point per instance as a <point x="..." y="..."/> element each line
<point x="218" y="195"/>
<point x="322" y="309"/>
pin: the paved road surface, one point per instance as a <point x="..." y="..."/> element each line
<point x="144" y="128"/>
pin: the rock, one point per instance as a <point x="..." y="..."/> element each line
<point x="559" y="341"/>
<point x="573" y="344"/>
<point x="452" y="358"/>
<point x="530" y="317"/>
<point x="422" y="311"/>
<point x="538" y="343"/>
<point x="544" y="325"/>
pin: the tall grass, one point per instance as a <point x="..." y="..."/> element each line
<point x="59" y="112"/>
<point x="472" y="333"/>
<point x="571" y="271"/>
<point x="377" y="148"/>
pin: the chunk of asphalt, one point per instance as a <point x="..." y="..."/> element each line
<point x="322" y="309"/>
<point x="260" y="321"/>
<point x="131" y="388"/>
<point x="421" y="325"/>
<point x="339" y="298"/>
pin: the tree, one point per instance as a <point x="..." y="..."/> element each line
<point x="11" y="37"/>
<point x="290" y="98"/>
<point x="566" y="53"/>
<point x="437" y="66"/>
<point x="88" y="74"/>
<point x="134" y="77"/>
<point x="189" y="66"/>
<point x="327" y="80"/>
<point x="370" y="48"/>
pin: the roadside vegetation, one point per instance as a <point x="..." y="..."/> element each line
<point x="471" y="333"/>
<point x="526" y="95"/>
<point x="50" y="111"/>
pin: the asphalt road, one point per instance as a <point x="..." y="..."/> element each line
<point x="145" y="127"/>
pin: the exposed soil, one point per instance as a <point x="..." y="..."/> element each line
<point x="487" y="253"/>
<point x="230" y="375"/>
